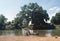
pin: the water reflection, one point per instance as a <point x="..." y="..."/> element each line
<point x="19" y="32"/>
<point x="7" y="33"/>
<point x="10" y="32"/>
<point x="49" y="33"/>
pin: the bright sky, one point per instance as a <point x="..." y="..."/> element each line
<point x="9" y="8"/>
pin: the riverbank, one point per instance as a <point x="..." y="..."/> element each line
<point x="28" y="38"/>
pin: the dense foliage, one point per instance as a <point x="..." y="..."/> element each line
<point x="2" y="22"/>
<point x="56" y="19"/>
<point x="35" y="13"/>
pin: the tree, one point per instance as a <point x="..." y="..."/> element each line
<point x="35" y="13"/>
<point x="56" y="19"/>
<point x="16" y="24"/>
<point x="8" y="26"/>
<point x="2" y="22"/>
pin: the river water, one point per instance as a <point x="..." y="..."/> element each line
<point x="19" y="32"/>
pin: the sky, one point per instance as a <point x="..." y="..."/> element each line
<point x="9" y="8"/>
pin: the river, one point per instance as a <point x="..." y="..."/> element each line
<point x="19" y="32"/>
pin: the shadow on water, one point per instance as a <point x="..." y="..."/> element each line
<point x="19" y="32"/>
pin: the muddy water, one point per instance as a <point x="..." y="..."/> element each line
<point x="19" y="32"/>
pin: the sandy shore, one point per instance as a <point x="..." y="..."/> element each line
<point x="28" y="38"/>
